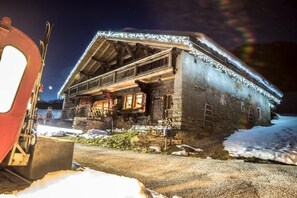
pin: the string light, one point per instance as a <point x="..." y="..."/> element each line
<point x="185" y="40"/>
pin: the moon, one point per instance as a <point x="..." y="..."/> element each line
<point x="50" y="87"/>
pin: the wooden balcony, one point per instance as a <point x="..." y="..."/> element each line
<point x="150" y="66"/>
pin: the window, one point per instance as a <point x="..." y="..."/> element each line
<point x="259" y="113"/>
<point x="128" y="101"/>
<point x="250" y="114"/>
<point x="12" y="67"/>
<point x="115" y="102"/>
<point x="168" y="106"/>
<point x="242" y="107"/>
<point x="138" y="101"/>
<point x="134" y="101"/>
<point x="223" y="100"/>
<point x="101" y="107"/>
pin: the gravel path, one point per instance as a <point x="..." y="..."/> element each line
<point x="193" y="177"/>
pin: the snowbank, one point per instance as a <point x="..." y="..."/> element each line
<point x="87" y="183"/>
<point x="55" y="131"/>
<point x="95" y="133"/>
<point x="277" y="142"/>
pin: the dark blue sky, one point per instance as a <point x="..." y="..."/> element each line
<point x="229" y="22"/>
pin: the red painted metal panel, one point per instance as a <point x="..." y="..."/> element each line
<point x="11" y="121"/>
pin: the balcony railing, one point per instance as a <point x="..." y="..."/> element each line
<point x="149" y="64"/>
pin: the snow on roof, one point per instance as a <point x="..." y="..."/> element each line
<point x="185" y="39"/>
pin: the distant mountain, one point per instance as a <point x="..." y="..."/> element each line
<point x="55" y="104"/>
<point x="276" y="61"/>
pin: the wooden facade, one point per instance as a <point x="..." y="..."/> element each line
<point x="125" y="79"/>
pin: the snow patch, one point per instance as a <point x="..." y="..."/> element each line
<point x="87" y="183"/>
<point x="277" y="142"/>
<point x="52" y="131"/>
<point x="95" y="133"/>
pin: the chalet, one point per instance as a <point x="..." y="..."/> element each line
<point x="181" y="80"/>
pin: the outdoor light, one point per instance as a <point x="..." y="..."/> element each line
<point x="185" y="40"/>
<point x="12" y="66"/>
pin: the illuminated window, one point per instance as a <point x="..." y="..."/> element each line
<point x="128" y="101"/>
<point x="138" y="101"/>
<point x="12" y="67"/>
<point x="115" y="101"/>
<point x="134" y="101"/>
<point x="101" y="107"/>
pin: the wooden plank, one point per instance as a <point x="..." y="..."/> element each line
<point x="10" y="182"/>
<point x="139" y="62"/>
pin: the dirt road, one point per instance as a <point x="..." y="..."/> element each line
<point x="193" y="177"/>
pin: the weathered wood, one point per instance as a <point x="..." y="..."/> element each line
<point x="10" y="182"/>
<point x="93" y="54"/>
<point x="129" y="50"/>
<point x="153" y="44"/>
<point x="111" y="55"/>
<point x="138" y="63"/>
<point x="103" y="51"/>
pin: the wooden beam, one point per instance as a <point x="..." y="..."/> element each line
<point x="92" y="65"/>
<point x="137" y="50"/>
<point x="106" y="48"/>
<point x="121" y="53"/>
<point x="96" y="51"/>
<point x="87" y="74"/>
<point x="108" y="94"/>
<point x="129" y="50"/>
<point x="110" y="55"/>
<point x="175" y="52"/>
<point x="138" y="62"/>
<point x="144" y="87"/>
<point x="154" y="44"/>
<point x="114" y="60"/>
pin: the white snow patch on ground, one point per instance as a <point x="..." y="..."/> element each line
<point x="87" y="183"/>
<point x="46" y="130"/>
<point x="95" y="133"/>
<point x="277" y="142"/>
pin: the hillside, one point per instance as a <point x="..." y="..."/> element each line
<point x="55" y="104"/>
<point x="276" y="61"/>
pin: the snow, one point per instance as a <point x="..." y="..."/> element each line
<point x="95" y="133"/>
<point x="186" y="150"/>
<point x="87" y="183"/>
<point x="189" y="148"/>
<point x="277" y="142"/>
<point x="52" y="131"/>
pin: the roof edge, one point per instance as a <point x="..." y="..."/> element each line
<point x="180" y="38"/>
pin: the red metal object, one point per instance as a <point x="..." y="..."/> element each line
<point x="11" y="121"/>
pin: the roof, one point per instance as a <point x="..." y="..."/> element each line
<point x="197" y="44"/>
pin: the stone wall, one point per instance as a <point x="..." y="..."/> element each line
<point x="85" y="124"/>
<point x="231" y="102"/>
<point x="158" y="92"/>
<point x="177" y="96"/>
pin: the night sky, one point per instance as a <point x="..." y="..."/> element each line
<point x="230" y="23"/>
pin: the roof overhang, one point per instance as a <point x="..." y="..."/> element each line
<point x="197" y="44"/>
